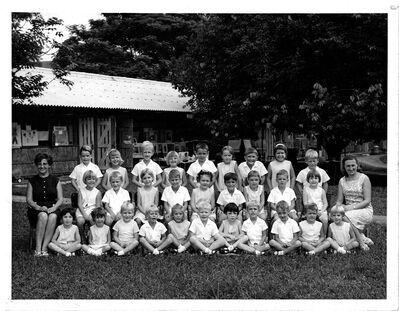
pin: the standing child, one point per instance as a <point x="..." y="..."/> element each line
<point x="203" y="193"/>
<point x="254" y="192"/>
<point x="340" y="234"/>
<point x="146" y="196"/>
<point x="280" y="163"/>
<point x="114" y="198"/>
<point x="85" y="165"/>
<point x="204" y="235"/>
<point x="255" y="230"/>
<point x="230" y="228"/>
<point x="202" y="163"/>
<point x="174" y="194"/>
<point x="126" y="231"/>
<point x="312" y="235"/>
<point x="153" y="233"/>
<point x="285" y="231"/>
<point x="148" y="152"/>
<point x="99" y="234"/>
<point x="312" y="159"/>
<point x="66" y="238"/>
<point x="282" y="192"/>
<point x="251" y="163"/>
<point x="230" y="195"/>
<point x="115" y="162"/>
<point x="316" y="194"/>
<point x="88" y="199"/>
<point x="178" y="228"/>
<point x="172" y="159"/>
<point x="227" y="166"/>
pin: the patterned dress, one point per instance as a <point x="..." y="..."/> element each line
<point x="353" y="193"/>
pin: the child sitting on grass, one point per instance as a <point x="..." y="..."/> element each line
<point x="153" y="233"/>
<point x="174" y="194"/>
<point x="66" y="238"/>
<point x="340" y="233"/>
<point x="99" y="234"/>
<point x="204" y="235"/>
<point x="255" y="229"/>
<point x="230" y="195"/>
<point x="178" y="228"/>
<point x="203" y="193"/>
<point x="312" y="234"/>
<point x="114" y="198"/>
<point x="146" y="196"/>
<point x="285" y="231"/>
<point x="230" y="228"/>
<point x="126" y="231"/>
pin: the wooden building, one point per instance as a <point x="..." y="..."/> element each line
<point x="102" y="111"/>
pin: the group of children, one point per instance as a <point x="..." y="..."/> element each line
<point x="230" y="196"/>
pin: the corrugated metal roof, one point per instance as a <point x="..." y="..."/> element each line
<point x="101" y="91"/>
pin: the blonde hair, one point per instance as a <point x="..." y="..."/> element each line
<point x="176" y="207"/>
<point x="229" y="149"/>
<point x="172" y="154"/>
<point x="145" y="172"/>
<point x="311" y="154"/>
<point x="116" y="174"/>
<point x="337" y="209"/>
<point x="114" y="152"/>
<point x="252" y="203"/>
<point x="87" y="175"/>
<point x="127" y="206"/>
<point x="282" y="173"/>
<point x="147" y="144"/>
<point x="152" y="208"/>
<point x="204" y="205"/>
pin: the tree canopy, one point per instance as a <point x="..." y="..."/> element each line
<point x="30" y="41"/>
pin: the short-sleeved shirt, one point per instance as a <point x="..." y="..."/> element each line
<point x="202" y="231"/>
<point x="301" y="178"/>
<point x="277" y="166"/>
<point x="276" y="196"/>
<point x="44" y="190"/>
<point x="178" y="197"/>
<point x="285" y="230"/>
<point x="225" y="197"/>
<point x="126" y="230"/>
<point x="179" y="230"/>
<point x="115" y="200"/>
<point x="154" y="234"/>
<point x="152" y="166"/>
<point x="254" y="230"/>
<point x="310" y="232"/>
<point x="167" y="170"/>
<point x="195" y="168"/>
<point x="79" y="171"/>
<point x="258" y="166"/>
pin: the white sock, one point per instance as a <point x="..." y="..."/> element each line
<point x="121" y="253"/>
<point x="208" y="251"/>
<point x="181" y="249"/>
<point x="98" y="252"/>
<point x="156" y="252"/>
<point x="68" y="254"/>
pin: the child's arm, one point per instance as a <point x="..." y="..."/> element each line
<point x="324" y="185"/>
<point x="98" y="199"/>
<point x="245" y="193"/>
<point x="213" y="201"/>
<point x="184" y="179"/>
<point x="352" y="235"/>
<point x="264" y="237"/>
<point x="324" y="199"/>
<point x="305" y="198"/>
<point x="139" y="202"/>
<point x="192" y="203"/>
<point x="104" y="182"/>
<point x="269" y="177"/>
<point x="74" y="183"/>
<point x="163" y="183"/>
<point x="156" y="198"/>
<point x="216" y="180"/>
<point x="77" y="236"/>
<point x="322" y="236"/>
<point x="158" y="181"/>
<point x="299" y="187"/>
<point x="136" y="181"/>
<point x="167" y="207"/>
<point x="292" y="205"/>
<point x="115" y="237"/>
<point x="90" y="237"/>
<point x="294" y="239"/>
<point x="192" y="181"/>
<point x="80" y="206"/>
<point x="109" y="210"/>
<point x="277" y="239"/>
<point x="292" y="177"/>
<point x="263" y="178"/>
<point x="108" y="237"/>
<point x="98" y="181"/>
<point x="239" y="178"/>
<point x="185" y="206"/>
<point x="329" y="233"/>
<point x="214" y="175"/>
<point x="55" y="236"/>
<point x="262" y="200"/>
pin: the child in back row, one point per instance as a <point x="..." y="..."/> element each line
<point x="202" y="163"/>
<point x="115" y="162"/>
<point x="251" y="163"/>
<point x="230" y="195"/>
<point x="254" y="193"/>
<point x="146" y="196"/>
<point x="114" y="198"/>
<point x="227" y="166"/>
<point x="174" y="194"/>
<point x="280" y="163"/>
<point x="148" y="152"/>
<point x="203" y="193"/>
<point x="282" y="192"/>
<point x="172" y="159"/>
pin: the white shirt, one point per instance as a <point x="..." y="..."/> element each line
<point x="115" y="200"/>
<point x="258" y="166"/>
<point x="178" y="197"/>
<point x="276" y="196"/>
<point x="201" y="231"/>
<point x="310" y="232"/>
<point x="79" y="171"/>
<point x="254" y="230"/>
<point x="195" y="168"/>
<point x="126" y="230"/>
<point x="285" y="230"/>
<point x="301" y="178"/>
<point x="225" y="197"/>
<point x="152" y="166"/>
<point x="152" y="234"/>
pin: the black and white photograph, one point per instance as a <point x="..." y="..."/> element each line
<point x="203" y="158"/>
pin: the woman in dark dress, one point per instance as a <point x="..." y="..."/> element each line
<point x="44" y="198"/>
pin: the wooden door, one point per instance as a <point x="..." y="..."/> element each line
<point x="106" y="137"/>
<point x="86" y="133"/>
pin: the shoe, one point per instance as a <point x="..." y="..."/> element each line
<point x="73" y="254"/>
<point x="224" y="250"/>
<point x="45" y="253"/>
<point x="37" y="254"/>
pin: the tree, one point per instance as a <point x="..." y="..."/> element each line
<point x="30" y="40"/>
<point x="129" y="45"/>
<point x="242" y="70"/>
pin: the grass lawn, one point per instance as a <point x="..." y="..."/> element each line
<point x="186" y="276"/>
